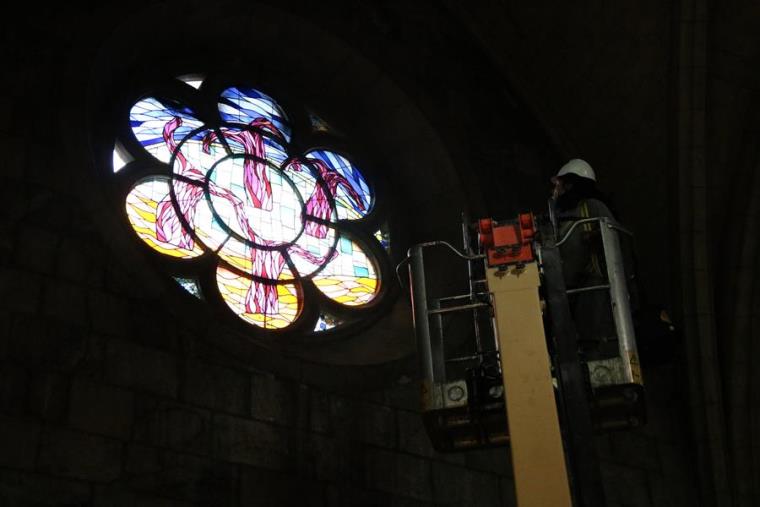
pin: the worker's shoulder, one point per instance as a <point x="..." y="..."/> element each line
<point x="591" y="207"/>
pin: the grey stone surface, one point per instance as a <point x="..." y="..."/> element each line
<point x="399" y="474"/>
<point x="108" y="313"/>
<point x="36" y="250"/>
<point x="51" y="344"/>
<point x="13" y="388"/>
<point x="216" y="387"/>
<point x="30" y="489"/>
<point x="65" y="301"/>
<point x="635" y="449"/>
<point x="168" y="424"/>
<point x="79" y="455"/>
<point x="412" y="434"/>
<point x="132" y="365"/>
<point x="255" y="443"/>
<point x="118" y="495"/>
<point x="507" y="488"/>
<point x="19" y="291"/>
<point x="66" y="288"/>
<point x="182" y="477"/>
<point x="626" y="485"/>
<point x="458" y="486"/>
<point x="102" y="409"/>
<point x="365" y="422"/>
<point x="18" y="440"/>
<point x="319" y="411"/>
<point x="273" y="399"/>
<point x="49" y="396"/>
<point x="264" y="487"/>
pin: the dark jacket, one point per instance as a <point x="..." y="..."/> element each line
<point x="583" y="266"/>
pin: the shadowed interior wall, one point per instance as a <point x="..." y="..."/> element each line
<point x="114" y="392"/>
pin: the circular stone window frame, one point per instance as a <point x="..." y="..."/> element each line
<point x="143" y="166"/>
<point x="392" y="141"/>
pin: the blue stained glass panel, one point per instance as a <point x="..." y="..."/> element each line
<point x="246" y="105"/>
<point x="353" y="197"/>
<point x="148" y="118"/>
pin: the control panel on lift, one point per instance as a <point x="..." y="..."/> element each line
<point x="462" y="388"/>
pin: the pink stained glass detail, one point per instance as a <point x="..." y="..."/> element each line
<point x="144" y="204"/>
<point x="233" y="196"/>
<point x="271" y="313"/>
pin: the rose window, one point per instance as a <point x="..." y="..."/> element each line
<point x="287" y="233"/>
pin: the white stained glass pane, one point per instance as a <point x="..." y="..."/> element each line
<point x="193" y="80"/>
<point x="154" y="219"/>
<point x="350" y="278"/>
<point x="258" y="203"/>
<point x="313" y="248"/>
<point x="119" y="159"/>
<point x="160" y="127"/>
<point x="190" y="285"/>
<point x="197" y="155"/>
<point x="326" y="322"/>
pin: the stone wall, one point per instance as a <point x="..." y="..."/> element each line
<point x="109" y="397"/>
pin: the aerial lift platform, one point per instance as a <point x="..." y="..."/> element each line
<point x="522" y="377"/>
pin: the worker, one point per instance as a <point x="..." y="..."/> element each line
<point x="576" y="197"/>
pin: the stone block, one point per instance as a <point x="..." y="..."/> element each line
<point x="118" y="495"/>
<point x="19" y="291"/>
<point x="152" y="326"/>
<point x="378" y="425"/>
<point x="344" y="494"/>
<point x="265" y="487"/>
<point x="364" y="422"/>
<point x="319" y="411"/>
<point x="31" y="489"/>
<point x="108" y="313"/>
<point x="496" y="460"/>
<point x="216" y="387"/>
<point x="45" y="343"/>
<point x="184" y="477"/>
<point x="398" y="474"/>
<point x="65" y="301"/>
<point x="132" y="365"/>
<point x="273" y="399"/>
<point x="18" y="440"/>
<point x="169" y="424"/>
<point x="413" y="437"/>
<point x="36" y="249"/>
<point x="625" y="485"/>
<point x="48" y="396"/>
<point x="101" y="408"/>
<point x="454" y="485"/>
<point x="78" y="455"/>
<point x="251" y="442"/>
<point x="404" y="396"/>
<point x="508" y="495"/>
<point x="14" y="381"/>
<point x="635" y="450"/>
<point x="81" y="261"/>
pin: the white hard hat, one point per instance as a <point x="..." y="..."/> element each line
<point x="578" y="167"/>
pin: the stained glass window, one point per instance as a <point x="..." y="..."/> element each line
<point x="275" y="220"/>
<point x="190" y="285"/>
